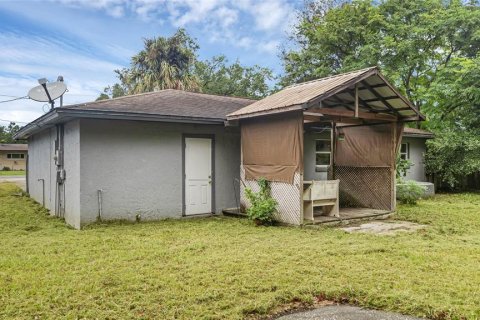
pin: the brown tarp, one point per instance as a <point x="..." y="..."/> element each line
<point x="272" y="146"/>
<point x="367" y="146"/>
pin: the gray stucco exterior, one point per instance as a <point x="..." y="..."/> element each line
<point x="136" y="165"/>
<point x="417" y="148"/>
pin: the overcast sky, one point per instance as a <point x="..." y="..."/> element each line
<point x="86" y="40"/>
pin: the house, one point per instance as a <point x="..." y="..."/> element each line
<point x="173" y="153"/>
<point x="13" y="156"/>
<point x="148" y="156"/>
<point x="413" y="148"/>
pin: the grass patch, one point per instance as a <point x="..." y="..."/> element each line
<point x="12" y="173"/>
<point x="226" y="268"/>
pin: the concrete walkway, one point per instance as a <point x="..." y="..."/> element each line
<point x="344" y="312"/>
<point x="18" y="180"/>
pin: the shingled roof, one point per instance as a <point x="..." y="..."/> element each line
<point x="170" y="102"/>
<point x="165" y="105"/>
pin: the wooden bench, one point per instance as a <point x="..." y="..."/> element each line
<point x="320" y="194"/>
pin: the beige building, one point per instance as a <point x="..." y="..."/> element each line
<point x="13" y="156"/>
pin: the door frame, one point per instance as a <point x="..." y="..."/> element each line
<point x="184" y="145"/>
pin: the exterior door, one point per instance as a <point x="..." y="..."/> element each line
<point x="198" y="176"/>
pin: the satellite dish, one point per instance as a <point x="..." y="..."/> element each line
<point x="47" y="92"/>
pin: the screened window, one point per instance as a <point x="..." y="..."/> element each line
<point x="15" y="156"/>
<point x="405" y="151"/>
<point x="323" y="152"/>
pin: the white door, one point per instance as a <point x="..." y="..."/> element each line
<point x="198" y="176"/>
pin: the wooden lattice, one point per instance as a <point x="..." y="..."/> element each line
<point x="288" y="196"/>
<point x="365" y="187"/>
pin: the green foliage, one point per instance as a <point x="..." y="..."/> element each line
<point x="409" y="192"/>
<point x="410" y="40"/>
<point x="262" y="205"/>
<point x="172" y="63"/>
<point x="7" y="133"/>
<point x="402" y="166"/>
<point x="452" y="155"/>
<point x="217" y="77"/>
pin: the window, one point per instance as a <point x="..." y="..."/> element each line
<point x="405" y="151"/>
<point x="15" y="156"/>
<point x="323" y="152"/>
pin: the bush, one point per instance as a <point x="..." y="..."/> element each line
<point x="452" y="156"/>
<point x="262" y="205"/>
<point x="6" y="169"/>
<point x="409" y="192"/>
<point x="402" y="166"/>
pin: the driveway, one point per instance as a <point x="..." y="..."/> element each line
<point x="344" y="312"/>
<point x="18" y="180"/>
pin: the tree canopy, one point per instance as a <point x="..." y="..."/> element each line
<point x="172" y="63"/>
<point x="7" y="133"/>
<point x="217" y="77"/>
<point x="428" y="49"/>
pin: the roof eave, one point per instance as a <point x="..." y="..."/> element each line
<point x="266" y="112"/>
<point x="60" y="115"/>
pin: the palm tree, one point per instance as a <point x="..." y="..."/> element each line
<point x="164" y="63"/>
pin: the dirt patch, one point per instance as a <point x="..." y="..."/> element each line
<point x="385" y="228"/>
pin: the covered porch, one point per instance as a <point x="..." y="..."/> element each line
<point x="327" y="146"/>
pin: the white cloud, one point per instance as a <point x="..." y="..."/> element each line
<point x="270" y="47"/>
<point x="223" y="20"/>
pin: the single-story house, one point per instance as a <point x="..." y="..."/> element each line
<point x="13" y="156"/>
<point x="174" y="153"/>
<point x="413" y="148"/>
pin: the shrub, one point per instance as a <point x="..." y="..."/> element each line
<point x="6" y="169"/>
<point x="262" y="205"/>
<point x="402" y="166"/>
<point x="409" y="192"/>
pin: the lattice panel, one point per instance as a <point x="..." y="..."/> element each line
<point x="366" y="187"/>
<point x="288" y="196"/>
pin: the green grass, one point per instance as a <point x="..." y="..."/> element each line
<point x="226" y="268"/>
<point x="12" y="173"/>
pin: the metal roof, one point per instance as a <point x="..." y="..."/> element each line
<point x="375" y="95"/>
<point x="13" y="147"/>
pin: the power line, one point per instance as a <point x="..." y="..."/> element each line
<point x="6" y="95"/>
<point x="12" y="121"/>
<point x="19" y="98"/>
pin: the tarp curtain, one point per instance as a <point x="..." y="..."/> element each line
<point x="272" y="146"/>
<point x="368" y="146"/>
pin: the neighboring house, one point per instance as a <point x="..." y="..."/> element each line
<point x="413" y="148"/>
<point x="173" y="153"/>
<point x="13" y="156"/>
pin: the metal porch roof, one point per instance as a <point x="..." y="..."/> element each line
<point x="375" y="95"/>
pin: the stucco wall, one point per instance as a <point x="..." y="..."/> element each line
<point x="14" y="164"/>
<point x="72" y="169"/>
<point x="309" y="155"/>
<point x="138" y="167"/>
<point x="41" y="151"/>
<point x="41" y="166"/>
<point x="417" y="150"/>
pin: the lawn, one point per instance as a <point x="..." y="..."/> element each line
<point x="226" y="268"/>
<point x="12" y="173"/>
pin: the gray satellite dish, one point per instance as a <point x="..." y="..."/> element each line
<point x="47" y="92"/>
